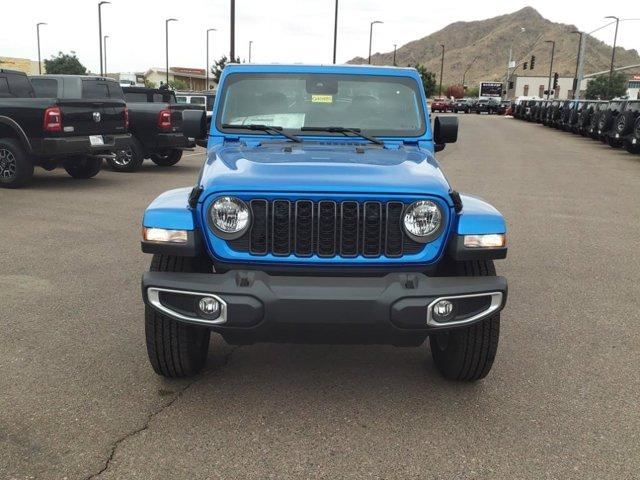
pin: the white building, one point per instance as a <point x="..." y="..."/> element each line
<point x="525" y="86"/>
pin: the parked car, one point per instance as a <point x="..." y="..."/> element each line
<point x="315" y="232"/>
<point x="595" y="119"/>
<point x="607" y="118"/>
<point x="503" y="107"/>
<point x="38" y="127"/>
<point x="565" y="114"/>
<point x="541" y="111"/>
<point x="462" y="105"/>
<point x="196" y="99"/>
<point x="632" y="141"/>
<point x="441" y="104"/>
<point x="487" y="105"/>
<point x="553" y="113"/>
<point x="586" y="115"/>
<point x="155" y="123"/>
<point x="623" y="124"/>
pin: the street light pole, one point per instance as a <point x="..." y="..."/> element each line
<point x="106" y="71"/>
<point x="206" y="87"/>
<point x="553" y="51"/>
<point x="38" y="34"/>
<point x="613" y="53"/>
<point x="335" y="33"/>
<point x="232" y="41"/>
<point x="464" y="75"/>
<point x="166" y="38"/>
<point x="576" y="86"/>
<point x="371" y="36"/>
<point x="395" y="47"/>
<point x="250" y="43"/>
<point x="441" y="71"/>
<point x="100" y="32"/>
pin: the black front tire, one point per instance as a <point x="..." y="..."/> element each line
<point x="16" y="168"/>
<point x="467" y="353"/>
<point x="166" y="159"/>
<point x="128" y="160"/>
<point x="175" y="349"/>
<point x="83" y="167"/>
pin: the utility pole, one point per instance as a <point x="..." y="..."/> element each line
<point x="166" y="50"/>
<point x="106" y="71"/>
<point x="371" y="36"/>
<point x="232" y="41"/>
<point x="613" y="54"/>
<point x="580" y="75"/>
<point x="100" y="33"/>
<point x="394" y="54"/>
<point x="250" y="43"/>
<point x="335" y="33"/>
<point x="441" y="71"/>
<point x="464" y="75"/>
<point x="38" y="35"/>
<point x="553" y="51"/>
<point x="208" y="65"/>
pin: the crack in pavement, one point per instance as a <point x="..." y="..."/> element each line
<point x="154" y="414"/>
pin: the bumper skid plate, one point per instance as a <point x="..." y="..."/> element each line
<point x="386" y="308"/>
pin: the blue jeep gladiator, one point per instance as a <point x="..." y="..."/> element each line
<point x="321" y="216"/>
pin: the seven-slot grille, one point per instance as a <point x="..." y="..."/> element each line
<point x="326" y="228"/>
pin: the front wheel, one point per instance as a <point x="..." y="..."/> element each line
<point x="175" y="349"/>
<point x="467" y="353"/>
<point x="166" y="159"/>
<point x="83" y="167"/>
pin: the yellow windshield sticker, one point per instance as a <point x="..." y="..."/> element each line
<point x="322" y="98"/>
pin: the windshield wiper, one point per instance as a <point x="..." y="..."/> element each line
<point x="344" y="131"/>
<point x="264" y="128"/>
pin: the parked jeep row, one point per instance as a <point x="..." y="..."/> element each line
<point x="615" y="123"/>
<point x="77" y="121"/>
<point x="489" y="106"/>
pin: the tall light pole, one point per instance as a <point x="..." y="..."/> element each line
<point x="613" y="53"/>
<point x="553" y="51"/>
<point x="232" y="40"/>
<point x="464" y="75"/>
<point x="206" y="87"/>
<point x="38" y="35"/>
<point x="335" y="33"/>
<point x="100" y="32"/>
<point x="106" y="71"/>
<point x="576" y="85"/>
<point x="166" y="38"/>
<point x="509" y="72"/>
<point x="441" y="70"/>
<point x="395" y="47"/>
<point x="250" y="43"/>
<point x="371" y="36"/>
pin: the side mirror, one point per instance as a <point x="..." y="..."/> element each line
<point x="194" y="124"/>
<point x="445" y="130"/>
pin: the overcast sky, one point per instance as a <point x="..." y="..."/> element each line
<point x="281" y="30"/>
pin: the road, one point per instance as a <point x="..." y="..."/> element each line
<point x="78" y="398"/>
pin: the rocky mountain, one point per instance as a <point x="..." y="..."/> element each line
<point x="489" y="41"/>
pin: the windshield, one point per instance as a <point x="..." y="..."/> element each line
<point x="378" y="105"/>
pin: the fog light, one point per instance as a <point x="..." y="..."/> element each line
<point x="209" y="306"/>
<point x="442" y="309"/>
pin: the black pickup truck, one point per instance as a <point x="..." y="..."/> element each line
<point x="156" y="128"/>
<point x="48" y="131"/>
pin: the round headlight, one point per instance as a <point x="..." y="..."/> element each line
<point x="422" y="220"/>
<point x="229" y="217"/>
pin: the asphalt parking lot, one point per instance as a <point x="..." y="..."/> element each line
<point x="78" y="398"/>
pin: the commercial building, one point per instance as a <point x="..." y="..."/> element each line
<point x="194" y="78"/>
<point x="30" y="67"/>
<point x="526" y="86"/>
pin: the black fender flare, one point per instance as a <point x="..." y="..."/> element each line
<point x="22" y="136"/>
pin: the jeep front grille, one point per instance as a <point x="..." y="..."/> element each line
<point x="326" y="228"/>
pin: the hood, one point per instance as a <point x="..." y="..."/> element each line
<point x="323" y="167"/>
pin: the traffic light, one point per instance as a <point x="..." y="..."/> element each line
<point x="555" y="80"/>
<point x="533" y="61"/>
<point x="524" y="66"/>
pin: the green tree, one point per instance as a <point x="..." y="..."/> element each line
<point x="149" y="83"/>
<point x="428" y="79"/>
<point x="219" y="65"/>
<point x="177" y="84"/>
<point x="598" y="86"/>
<point x="65" y="64"/>
<point x="472" y="92"/>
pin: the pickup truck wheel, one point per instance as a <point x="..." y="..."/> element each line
<point x="83" y="167"/>
<point x="166" y="159"/>
<point x="175" y="349"/>
<point x="15" y="167"/>
<point x="467" y="353"/>
<point x="128" y="160"/>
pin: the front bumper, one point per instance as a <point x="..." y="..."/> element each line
<point x="81" y="145"/>
<point x="394" y="309"/>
